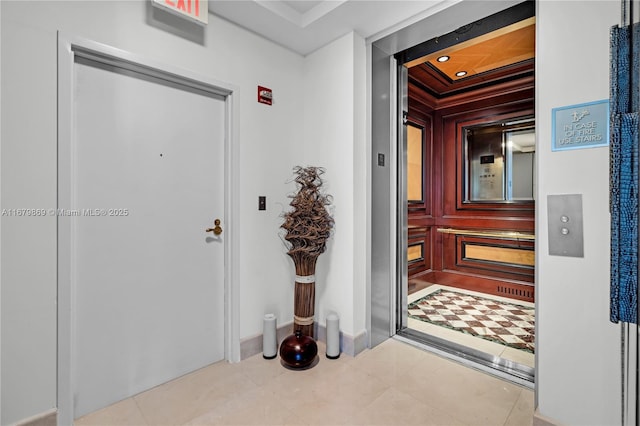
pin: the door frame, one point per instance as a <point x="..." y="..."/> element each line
<point x="68" y="48"/>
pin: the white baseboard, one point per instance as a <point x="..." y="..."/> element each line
<point x="540" y="420"/>
<point x="48" y="418"/>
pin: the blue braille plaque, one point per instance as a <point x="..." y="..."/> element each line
<point x="580" y="126"/>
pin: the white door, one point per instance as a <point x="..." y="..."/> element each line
<point x="149" y="179"/>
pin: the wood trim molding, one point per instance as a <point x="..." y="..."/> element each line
<point x="431" y="103"/>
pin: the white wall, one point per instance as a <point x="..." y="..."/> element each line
<point x="270" y="145"/>
<point x="317" y="118"/>
<point x="578" y="349"/>
<point x="334" y="132"/>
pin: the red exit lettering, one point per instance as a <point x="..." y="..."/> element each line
<point x="194" y="10"/>
<point x="185" y="6"/>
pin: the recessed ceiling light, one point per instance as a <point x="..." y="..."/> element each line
<point x="444" y="58"/>
<point x="461" y="73"/>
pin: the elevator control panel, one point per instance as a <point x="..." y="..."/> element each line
<point x="566" y="236"/>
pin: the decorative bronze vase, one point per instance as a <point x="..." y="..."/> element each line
<point x="298" y="350"/>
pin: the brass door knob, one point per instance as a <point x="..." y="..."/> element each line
<point x="217" y="230"/>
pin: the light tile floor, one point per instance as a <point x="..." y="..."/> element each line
<point x="392" y="384"/>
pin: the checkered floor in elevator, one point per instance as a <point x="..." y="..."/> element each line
<point x="502" y="322"/>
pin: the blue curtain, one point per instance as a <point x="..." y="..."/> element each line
<point x="623" y="146"/>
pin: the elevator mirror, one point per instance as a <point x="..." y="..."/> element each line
<point x="499" y="162"/>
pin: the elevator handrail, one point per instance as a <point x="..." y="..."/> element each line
<point x="496" y="234"/>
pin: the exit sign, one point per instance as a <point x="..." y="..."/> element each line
<point x="194" y="10"/>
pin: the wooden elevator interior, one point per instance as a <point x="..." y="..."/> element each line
<point x="468" y="225"/>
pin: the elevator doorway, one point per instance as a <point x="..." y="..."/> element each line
<point x="466" y="192"/>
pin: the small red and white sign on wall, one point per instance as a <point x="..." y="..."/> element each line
<point x="265" y="95"/>
<point x="193" y="10"/>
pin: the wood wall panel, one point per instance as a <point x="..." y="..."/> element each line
<point x="444" y="205"/>
<point x="499" y="254"/>
<point x="420" y="239"/>
<point x="483" y="284"/>
<point x="456" y="258"/>
<point x="423" y="209"/>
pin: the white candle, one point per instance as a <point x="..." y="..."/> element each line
<point x="333" y="336"/>
<point x="269" y="339"/>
